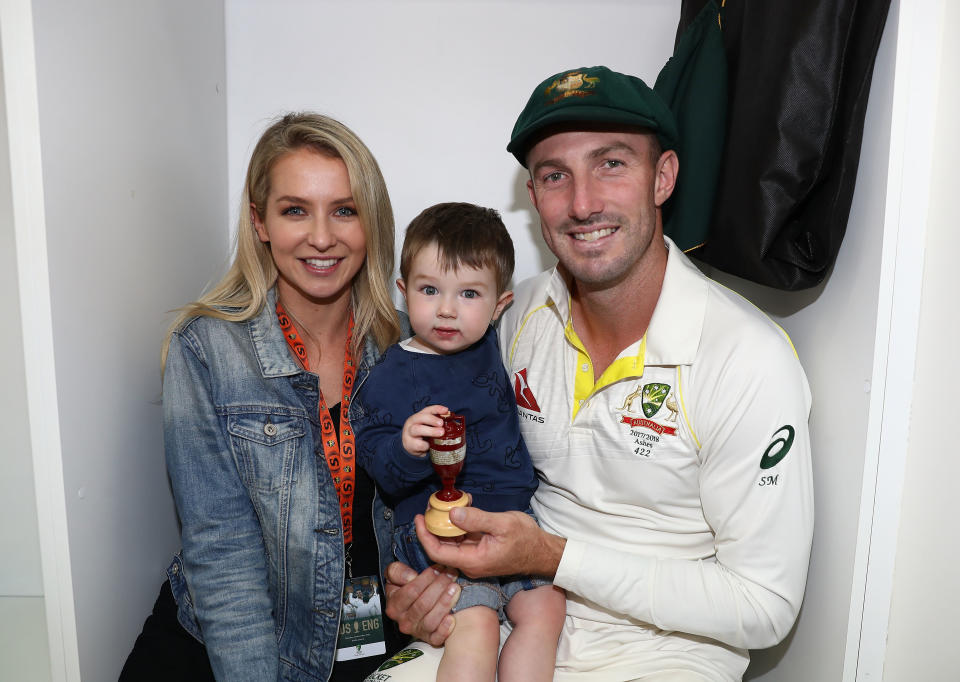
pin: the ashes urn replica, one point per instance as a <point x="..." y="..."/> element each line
<point x="446" y="456"/>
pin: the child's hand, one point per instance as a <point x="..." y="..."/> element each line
<point x="427" y="423"/>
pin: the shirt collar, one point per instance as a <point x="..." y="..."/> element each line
<point x="273" y="353"/>
<point x="673" y="335"/>
<point x="268" y="342"/>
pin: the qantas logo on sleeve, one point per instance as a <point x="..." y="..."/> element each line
<point x="525" y="397"/>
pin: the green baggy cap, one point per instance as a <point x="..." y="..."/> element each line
<point x="694" y="84"/>
<point x="592" y="95"/>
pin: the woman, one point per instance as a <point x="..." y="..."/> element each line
<point x="276" y="518"/>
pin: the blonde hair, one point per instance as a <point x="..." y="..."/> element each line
<point x="242" y="292"/>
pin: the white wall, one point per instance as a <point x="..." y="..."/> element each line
<point x="133" y="140"/>
<point x="19" y="542"/>
<point x="23" y="640"/>
<point x="432" y="87"/>
<point x="925" y="600"/>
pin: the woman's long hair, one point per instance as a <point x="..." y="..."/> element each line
<point x="242" y="292"/>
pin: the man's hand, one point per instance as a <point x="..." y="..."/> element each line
<point x="420" y="604"/>
<point x="427" y="423"/>
<point x="504" y="543"/>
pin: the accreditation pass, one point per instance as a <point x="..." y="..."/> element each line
<point x="361" y="620"/>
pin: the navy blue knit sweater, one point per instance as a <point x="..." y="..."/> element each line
<point x="497" y="471"/>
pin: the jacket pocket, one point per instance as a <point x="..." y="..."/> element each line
<point x="266" y="445"/>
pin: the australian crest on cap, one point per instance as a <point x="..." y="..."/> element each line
<point x="571" y="84"/>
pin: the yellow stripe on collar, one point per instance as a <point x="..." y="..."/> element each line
<point x="584" y="384"/>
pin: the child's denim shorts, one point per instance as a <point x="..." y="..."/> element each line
<point x="490" y="592"/>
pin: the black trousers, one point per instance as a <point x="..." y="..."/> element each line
<point x="164" y="651"/>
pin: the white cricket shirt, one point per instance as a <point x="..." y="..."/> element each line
<point x="680" y="477"/>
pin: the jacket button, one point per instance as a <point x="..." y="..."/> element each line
<point x="270" y="429"/>
<point x="387" y="514"/>
<point x="175" y="568"/>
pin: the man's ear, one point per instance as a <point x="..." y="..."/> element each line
<point x="258" y="224"/>
<point x="502" y="302"/>
<point x="533" y="195"/>
<point x="668" y="166"/>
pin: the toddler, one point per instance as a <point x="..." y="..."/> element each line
<point x="455" y="267"/>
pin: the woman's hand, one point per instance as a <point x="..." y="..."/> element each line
<point x="420" y="604"/>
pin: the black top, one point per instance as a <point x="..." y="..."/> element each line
<point x="365" y="561"/>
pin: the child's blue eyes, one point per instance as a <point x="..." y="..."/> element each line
<point x="429" y="290"/>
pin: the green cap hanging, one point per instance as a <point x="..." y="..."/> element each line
<point x="694" y="85"/>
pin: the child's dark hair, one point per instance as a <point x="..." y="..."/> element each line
<point x="465" y="235"/>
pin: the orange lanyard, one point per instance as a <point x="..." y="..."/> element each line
<point x="340" y="457"/>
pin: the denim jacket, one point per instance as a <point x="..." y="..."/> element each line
<point x="261" y="574"/>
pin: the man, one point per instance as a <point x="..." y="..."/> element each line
<point x="665" y="415"/>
